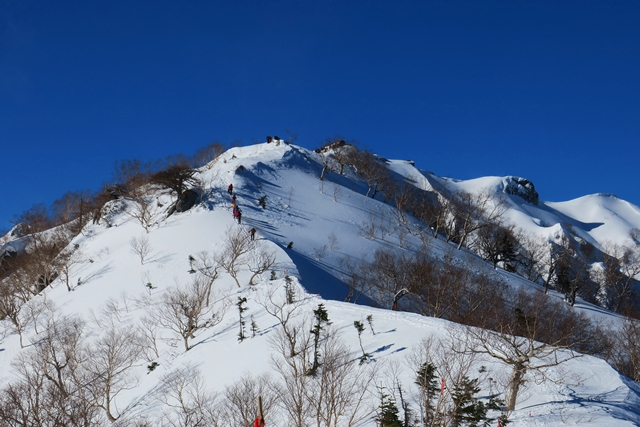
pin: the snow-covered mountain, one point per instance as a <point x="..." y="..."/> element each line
<point x="123" y="276"/>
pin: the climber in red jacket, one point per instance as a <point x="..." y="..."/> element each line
<point x="259" y="422"/>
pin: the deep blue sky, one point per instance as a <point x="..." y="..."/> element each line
<point x="546" y="90"/>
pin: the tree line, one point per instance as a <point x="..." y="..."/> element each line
<point x="444" y="287"/>
<point x="567" y="263"/>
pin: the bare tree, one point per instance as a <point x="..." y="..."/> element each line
<point x="74" y="210"/>
<point x="34" y="220"/>
<point x="185" y="312"/>
<point x="141" y="247"/>
<point x="373" y="170"/>
<point x="290" y="193"/>
<point x="433" y="287"/>
<point x="209" y="268"/>
<point x="132" y="176"/>
<point x="338" y="393"/>
<point x="34" y="400"/>
<point x="497" y="243"/>
<point x="577" y="275"/>
<point x="23" y="402"/>
<point x="293" y="136"/>
<point x="259" y="260"/>
<point x="531" y="252"/>
<point x="205" y="155"/>
<point x="570" y="264"/>
<point x="335" y="154"/>
<point x="368" y="228"/>
<point x="176" y="176"/>
<point x="285" y="312"/>
<point x="532" y="333"/>
<point x="337" y="189"/>
<point x="38" y="308"/>
<point x="441" y="217"/>
<point x="236" y="247"/>
<point x="69" y="257"/>
<point x="39" y="265"/>
<point x="343" y="155"/>
<point x="408" y="199"/>
<point x="12" y="304"/>
<point x="626" y="354"/>
<point x="63" y="381"/>
<point x="292" y="370"/>
<point x="241" y="397"/>
<point x="109" y="361"/>
<point x="390" y="272"/>
<point x="144" y="210"/>
<point x="149" y="335"/>
<point x="333" y="241"/>
<point x="437" y="285"/>
<point x="620" y="266"/>
<point x="473" y="212"/>
<point x="187" y="401"/>
<point x="328" y="163"/>
<point x="556" y="256"/>
<point x="58" y="359"/>
<point x="61" y="352"/>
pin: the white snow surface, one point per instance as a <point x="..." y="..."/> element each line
<point x="323" y="219"/>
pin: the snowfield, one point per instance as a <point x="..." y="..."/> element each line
<point x="326" y="223"/>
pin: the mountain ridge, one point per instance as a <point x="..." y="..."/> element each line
<point x="327" y="222"/>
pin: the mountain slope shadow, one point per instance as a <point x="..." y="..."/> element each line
<point x="316" y="280"/>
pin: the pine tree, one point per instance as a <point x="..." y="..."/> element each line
<point x="360" y="328"/>
<point x="508" y="252"/>
<point x="241" y="309"/>
<point x="370" y="321"/>
<point x="191" y="261"/>
<point x="387" y="411"/>
<point x="468" y="409"/>
<point x="322" y="320"/>
<point x="406" y="409"/>
<point x="427" y="381"/>
<point x="254" y="328"/>
<point x="288" y="290"/>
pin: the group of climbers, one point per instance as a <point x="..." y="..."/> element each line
<point x="237" y="215"/>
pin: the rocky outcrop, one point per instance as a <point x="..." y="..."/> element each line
<point x="188" y="200"/>
<point x="522" y="188"/>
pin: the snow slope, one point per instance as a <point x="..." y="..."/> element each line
<point x="326" y="221"/>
